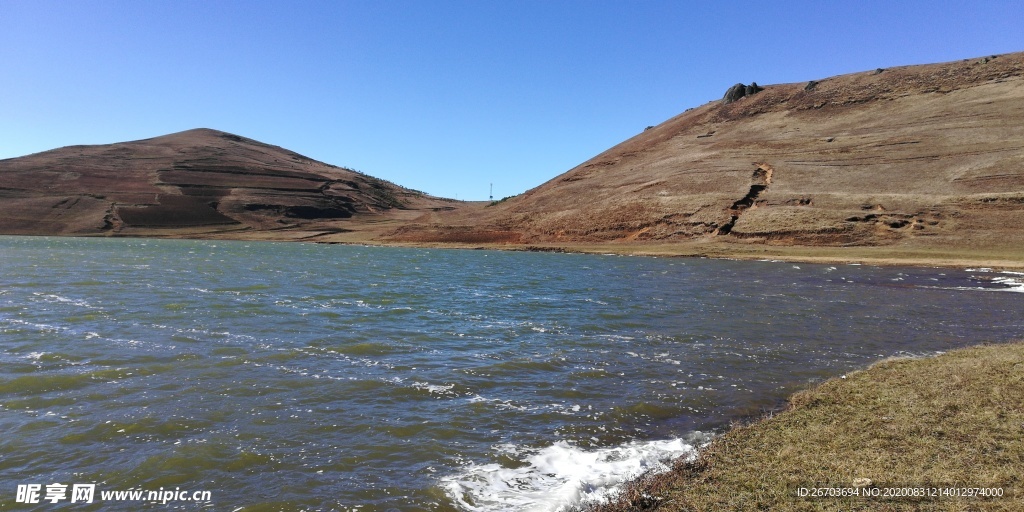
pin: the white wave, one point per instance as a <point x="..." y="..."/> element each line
<point x="500" y="404"/>
<point x="1012" y="284"/>
<point x="445" y="389"/>
<point x="560" y="476"/>
<point x="52" y="297"/>
<point x="40" y="327"/>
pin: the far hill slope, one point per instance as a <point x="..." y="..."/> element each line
<point x="193" y="183"/>
<point x="916" y="156"/>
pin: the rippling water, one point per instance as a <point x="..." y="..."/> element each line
<point x="310" y="377"/>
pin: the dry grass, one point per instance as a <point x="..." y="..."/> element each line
<point x="956" y="420"/>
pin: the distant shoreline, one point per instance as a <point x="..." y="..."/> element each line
<point x="996" y="258"/>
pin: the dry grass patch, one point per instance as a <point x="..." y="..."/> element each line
<point x="955" y="420"/>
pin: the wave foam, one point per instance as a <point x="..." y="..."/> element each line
<point x="560" y="476"/>
<point x="1008" y="282"/>
<point x="1012" y="284"/>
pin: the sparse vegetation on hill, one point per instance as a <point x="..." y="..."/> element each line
<point x="499" y="201"/>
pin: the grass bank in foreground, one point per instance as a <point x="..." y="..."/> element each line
<point x="955" y="421"/>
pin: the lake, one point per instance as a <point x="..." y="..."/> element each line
<point x="286" y="376"/>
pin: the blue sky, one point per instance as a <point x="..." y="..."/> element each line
<point x="446" y="97"/>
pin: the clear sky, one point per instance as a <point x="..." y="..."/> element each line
<point x="446" y="97"/>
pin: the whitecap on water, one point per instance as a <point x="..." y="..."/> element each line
<point x="40" y="327"/>
<point x="1012" y="284"/>
<point x="440" y="389"/>
<point x="54" y="298"/>
<point x="561" y="475"/>
<point x="1007" y="281"/>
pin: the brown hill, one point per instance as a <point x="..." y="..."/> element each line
<point x="918" y="156"/>
<point x="921" y="164"/>
<point x="194" y="183"/>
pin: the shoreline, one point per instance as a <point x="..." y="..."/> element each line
<point x="1007" y="257"/>
<point x="927" y="422"/>
<point x="790" y="254"/>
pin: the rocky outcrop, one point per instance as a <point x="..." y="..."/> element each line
<point x="739" y="91"/>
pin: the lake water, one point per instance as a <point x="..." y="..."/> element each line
<point x="313" y="377"/>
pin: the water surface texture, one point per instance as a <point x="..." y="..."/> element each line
<point x="310" y="377"/>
